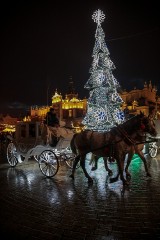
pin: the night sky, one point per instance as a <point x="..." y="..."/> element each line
<point x="43" y="43"/>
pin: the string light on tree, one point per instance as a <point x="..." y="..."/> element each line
<point x="104" y="102"/>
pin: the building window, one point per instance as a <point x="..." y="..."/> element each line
<point x="70" y="113"/>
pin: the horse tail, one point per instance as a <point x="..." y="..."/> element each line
<point x="72" y="144"/>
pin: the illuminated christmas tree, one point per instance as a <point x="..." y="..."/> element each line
<point x="104" y="102"/>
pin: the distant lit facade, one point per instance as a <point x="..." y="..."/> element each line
<point x="140" y="100"/>
<point x="74" y="109"/>
<point x="7" y="123"/>
<point x="71" y="107"/>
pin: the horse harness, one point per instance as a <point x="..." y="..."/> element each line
<point x="109" y="147"/>
<point x="124" y="137"/>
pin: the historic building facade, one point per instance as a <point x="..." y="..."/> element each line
<point x="69" y="108"/>
<point x="72" y="109"/>
<point x="138" y="100"/>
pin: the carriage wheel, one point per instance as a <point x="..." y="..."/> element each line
<point x="12" y="154"/>
<point x="48" y="163"/>
<point x="153" y="149"/>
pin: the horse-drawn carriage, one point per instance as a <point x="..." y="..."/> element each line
<point x="29" y="144"/>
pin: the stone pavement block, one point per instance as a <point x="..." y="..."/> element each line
<point x="35" y="207"/>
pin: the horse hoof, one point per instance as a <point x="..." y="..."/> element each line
<point x="125" y="188"/>
<point x="112" y="180"/>
<point x="110" y="173"/>
<point x="93" y="168"/>
<point x="128" y="176"/>
<point x="126" y="183"/>
<point x="71" y="176"/>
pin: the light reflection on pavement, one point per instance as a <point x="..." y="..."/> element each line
<point x="35" y="207"/>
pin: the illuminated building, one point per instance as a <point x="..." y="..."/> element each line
<point x="7" y="123"/>
<point x="69" y="108"/>
<point x="75" y="109"/>
<point x="38" y="112"/>
<point x="140" y="100"/>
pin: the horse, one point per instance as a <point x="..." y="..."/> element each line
<point x="117" y="142"/>
<point x="138" y="149"/>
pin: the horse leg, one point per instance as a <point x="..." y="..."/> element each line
<point x="95" y="161"/>
<point x="129" y="158"/>
<point x="115" y="179"/>
<point x="120" y="164"/>
<point x="82" y="163"/>
<point x="76" y="160"/>
<point x="106" y="166"/>
<point x="140" y="153"/>
<point x="121" y="168"/>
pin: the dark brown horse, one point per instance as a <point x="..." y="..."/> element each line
<point x="117" y="143"/>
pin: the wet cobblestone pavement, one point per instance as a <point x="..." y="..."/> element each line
<point x="35" y="207"/>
